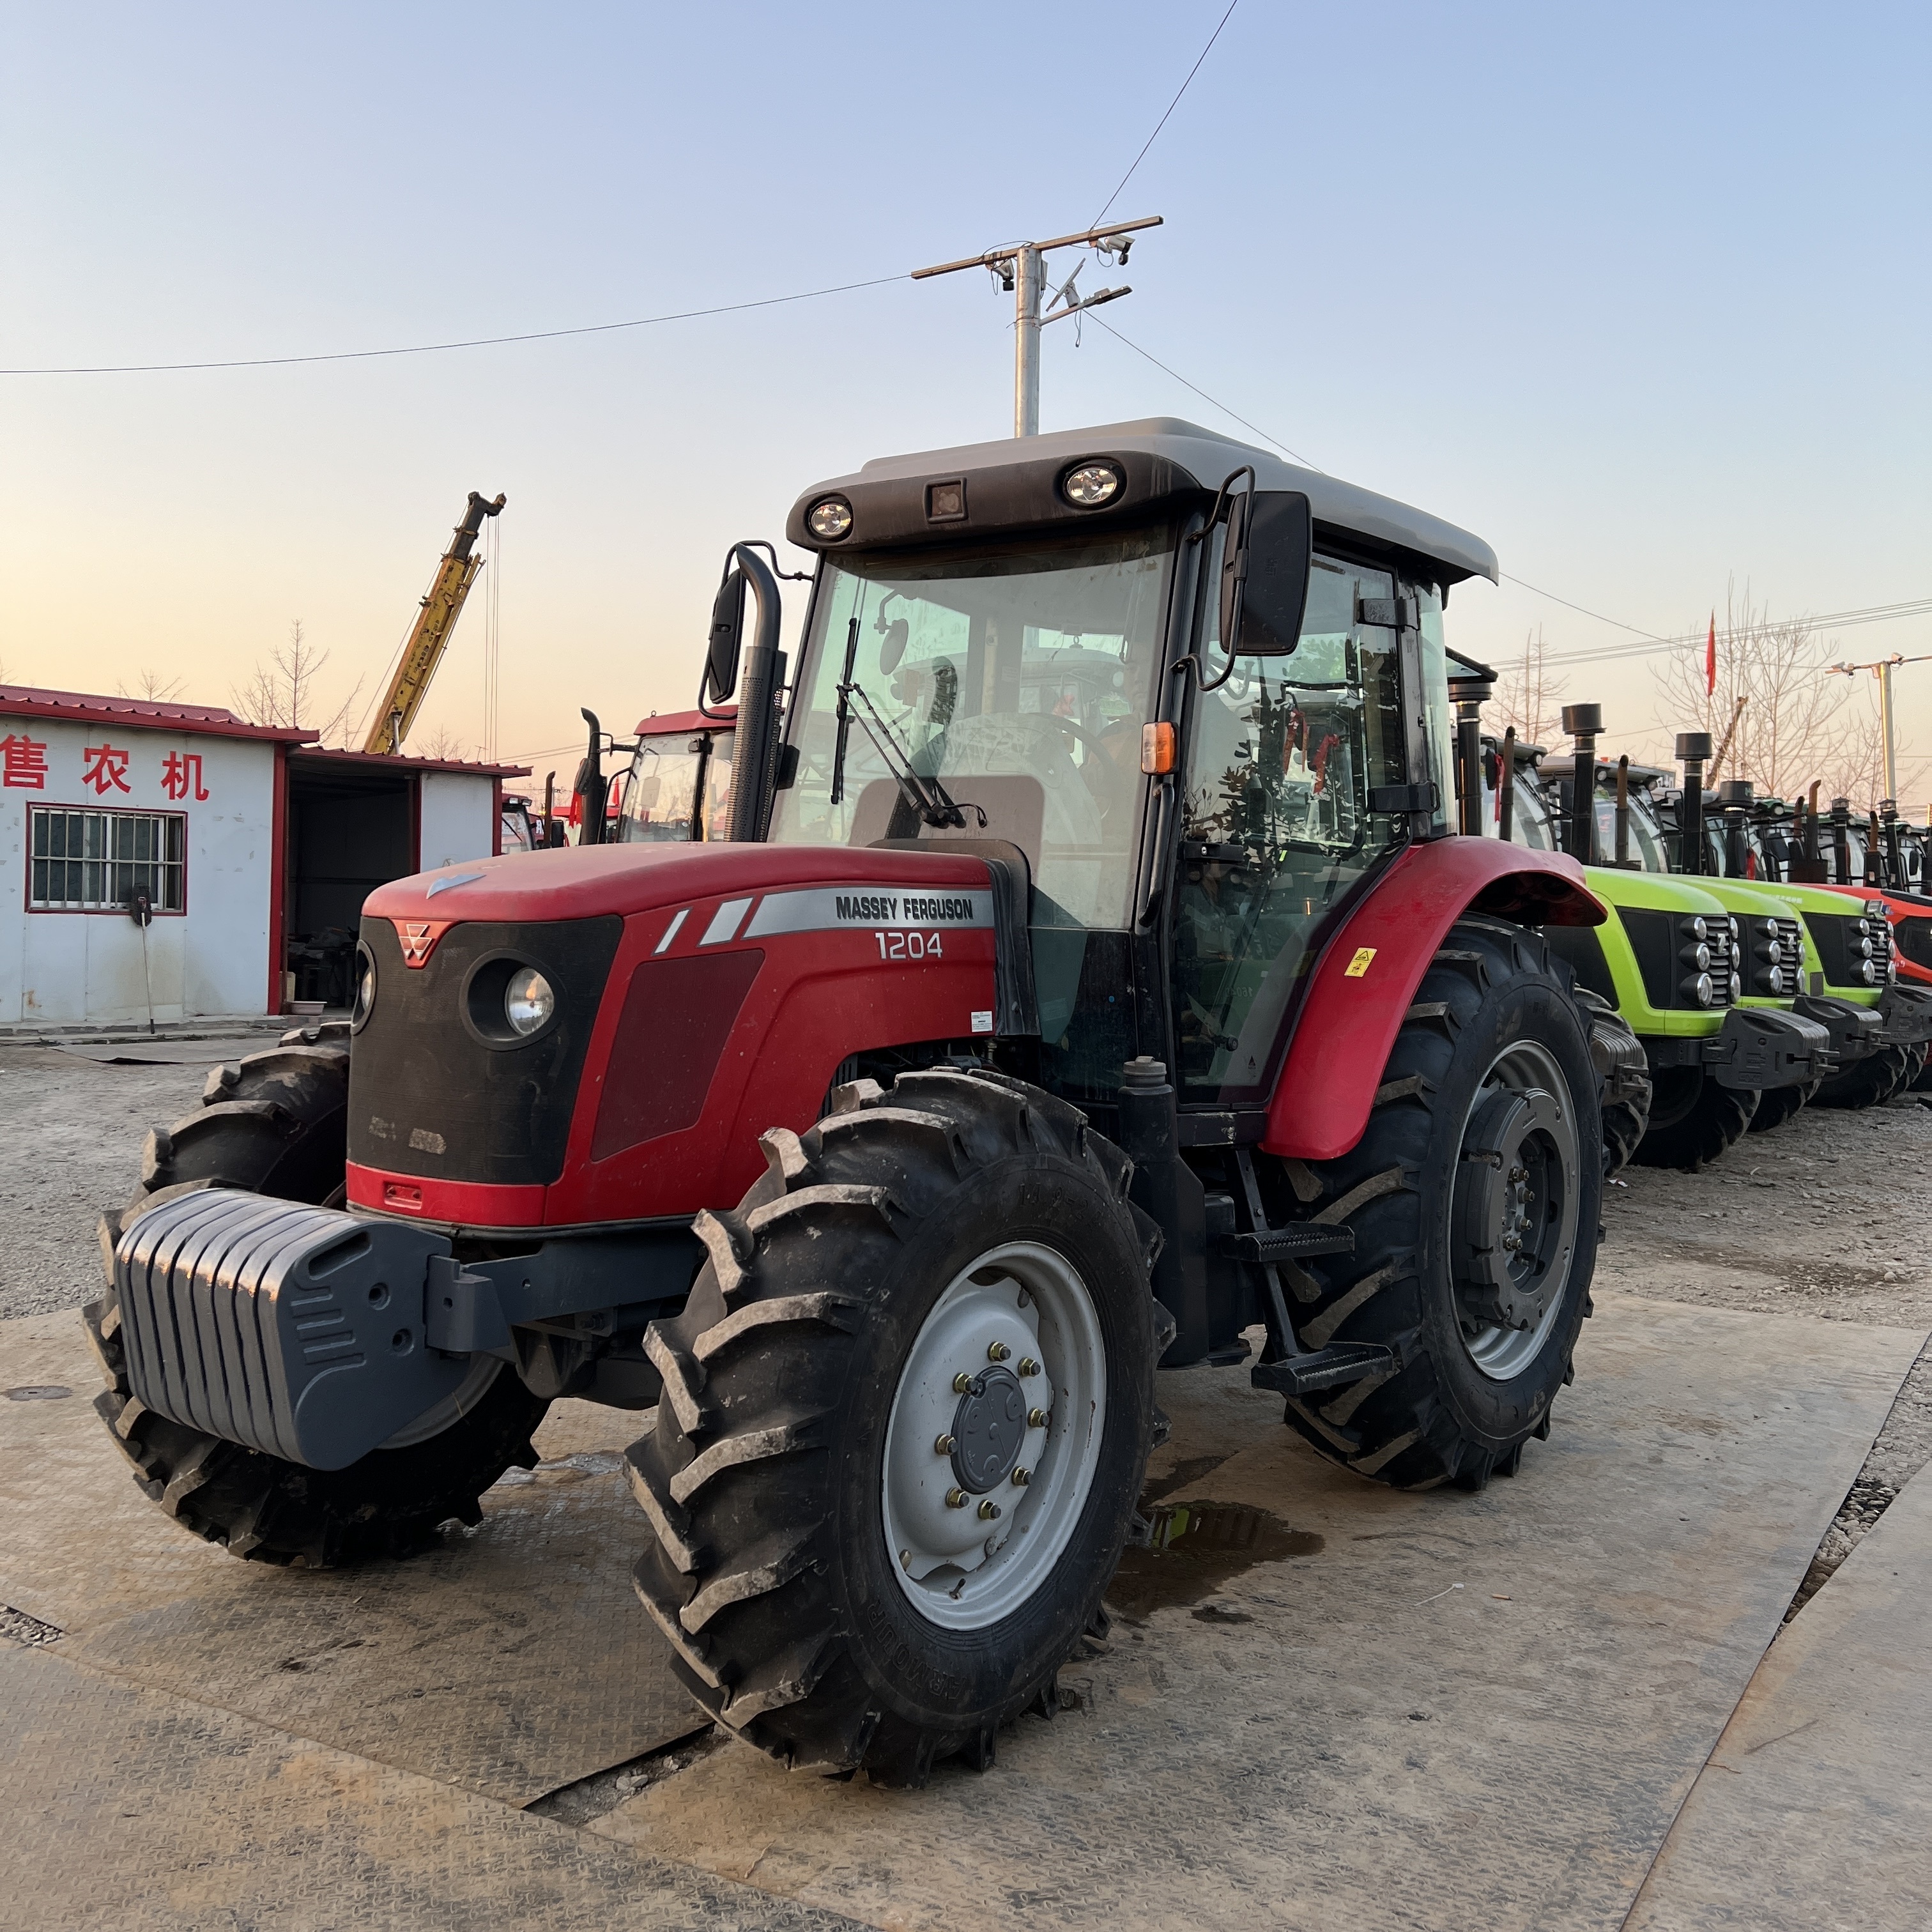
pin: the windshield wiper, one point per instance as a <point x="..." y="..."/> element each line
<point x="837" y="795"/>
<point x="926" y="795"/>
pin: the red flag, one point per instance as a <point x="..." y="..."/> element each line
<point x="1711" y="658"/>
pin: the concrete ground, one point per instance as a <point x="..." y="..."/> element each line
<point x="1386" y="1710"/>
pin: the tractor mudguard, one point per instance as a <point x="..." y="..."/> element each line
<point x="1366" y="978"/>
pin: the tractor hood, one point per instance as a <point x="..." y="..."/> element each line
<point x="687" y="997"/>
<point x="598" y="881"/>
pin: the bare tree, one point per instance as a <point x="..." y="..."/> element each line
<point x="1528" y="696"/>
<point x="1857" y="773"/>
<point x="442" y="742"/>
<point x="1793" y="727"/>
<point x="281" y="691"/>
<point x="151" y="685"/>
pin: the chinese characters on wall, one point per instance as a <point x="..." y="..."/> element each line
<point x="104" y="769"/>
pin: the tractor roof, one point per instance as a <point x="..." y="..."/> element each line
<point x="1015" y="482"/>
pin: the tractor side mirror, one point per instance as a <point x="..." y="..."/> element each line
<point x="1264" y="569"/>
<point x="727" y="631"/>
<point x="893" y="646"/>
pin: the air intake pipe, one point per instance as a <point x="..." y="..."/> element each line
<point x="1694" y="748"/>
<point x="1582" y="722"/>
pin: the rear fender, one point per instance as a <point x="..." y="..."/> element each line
<point x="1365" y="981"/>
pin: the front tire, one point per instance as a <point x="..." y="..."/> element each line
<point x="274" y="1123"/>
<point x="860" y="1560"/>
<point x="1694" y="1120"/>
<point x="1871" y="1081"/>
<point x="1486" y="1125"/>
<point x="1778" y="1104"/>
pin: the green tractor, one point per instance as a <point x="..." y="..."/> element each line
<point x="1668" y="961"/>
<point x="1831" y="958"/>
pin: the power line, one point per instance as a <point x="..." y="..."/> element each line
<point x="476" y="342"/>
<point x="1648" y="643"/>
<point x="1163" y="121"/>
<point x="1829" y="620"/>
<point x="1099" y="323"/>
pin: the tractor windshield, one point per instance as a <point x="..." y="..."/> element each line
<point x="679" y="789"/>
<point x="1646" y="836"/>
<point x="1018" y="677"/>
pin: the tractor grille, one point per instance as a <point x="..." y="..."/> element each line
<point x="1668" y="947"/>
<point x="1854" y="949"/>
<point x="1772" y="959"/>
<point x="430" y="1093"/>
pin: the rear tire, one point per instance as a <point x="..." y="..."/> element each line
<point x="1494" y="1021"/>
<point x="274" y="1123"/>
<point x="799" y="1568"/>
<point x="1871" y="1081"/>
<point x="1694" y="1121"/>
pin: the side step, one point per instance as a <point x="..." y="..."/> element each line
<point x="1325" y="1368"/>
<point x="1283" y="1244"/>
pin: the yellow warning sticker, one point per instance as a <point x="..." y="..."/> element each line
<point x="1358" y="967"/>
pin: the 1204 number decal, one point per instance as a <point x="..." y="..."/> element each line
<point x="910" y="946"/>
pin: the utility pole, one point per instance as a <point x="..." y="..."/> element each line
<point x="1022" y="270"/>
<point x="1882" y="669"/>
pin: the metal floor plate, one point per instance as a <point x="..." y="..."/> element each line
<point x="511" y="1660"/>
<point x="1815" y="1812"/>
<point x="1459" y="1710"/>
<point x="127" y="1807"/>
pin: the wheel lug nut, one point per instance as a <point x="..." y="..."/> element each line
<point x="997" y="1351"/>
<point x="989" y="1511"/>
<point x="1037" y="1418"/>
<point x="1028" y="1367"/>
<point x="1022" y="1478"/>
<point x="956" y="1498"/>
<point x="961" y="1383"/>
<point x="943" y="1447"/>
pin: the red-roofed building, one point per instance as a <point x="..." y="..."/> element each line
<point x="253" y="844"/>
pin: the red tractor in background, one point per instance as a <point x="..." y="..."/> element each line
<point x="1095" y="978"/>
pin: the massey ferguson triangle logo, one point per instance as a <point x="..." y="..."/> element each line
<point x="418" y="937"/>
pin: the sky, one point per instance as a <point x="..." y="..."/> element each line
<point x="1637" y="293"/>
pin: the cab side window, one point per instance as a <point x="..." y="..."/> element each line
<point x="1277" y="828"/>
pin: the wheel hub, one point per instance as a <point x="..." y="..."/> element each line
<point x="989" y="1429"/>
<point x="994" y="1436"/>
<point x="1515" y="1208"/>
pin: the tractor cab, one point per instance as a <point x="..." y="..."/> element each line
<point x="1203" y="695"/>
<point x="678" y="789"/>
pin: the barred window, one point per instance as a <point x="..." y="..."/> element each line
<point x="96" y="861"/>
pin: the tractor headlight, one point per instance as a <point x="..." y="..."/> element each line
<point x="1091" y="485"/>
<point x="1864" y="948"/>
<point x="1867" y="972"/>
<point x="1701" y="989"/>
<point x="363" y="1002"/>
<point x="1697" y="929"/>
<point x="1737" y="988"/>
<point x="1773" y="981"/>
<point x="529" y="1001"/>
<point x="829" y="519"/>
<point x="1700" y="958"/>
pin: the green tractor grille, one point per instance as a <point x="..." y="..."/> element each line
<point x="1854" y="949"/>
<point x="1686" y="959"/>
<point x="1772" y="956"/>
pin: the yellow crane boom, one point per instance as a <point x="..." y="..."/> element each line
<point x="429" y="636"/>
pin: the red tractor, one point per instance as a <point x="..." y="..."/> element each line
<point x="1094" y="980"/>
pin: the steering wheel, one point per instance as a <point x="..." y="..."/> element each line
<point x="1107" y="795"/>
